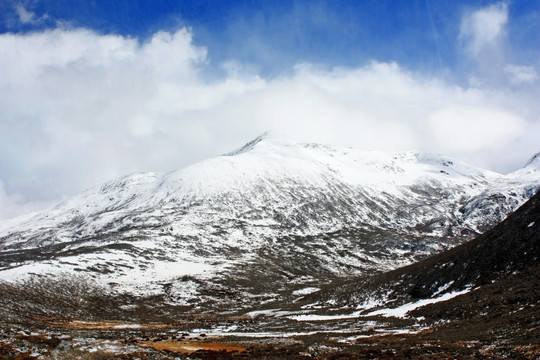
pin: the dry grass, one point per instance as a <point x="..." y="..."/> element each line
<point x="530" y="351"/>
<point x="188" y="346"/>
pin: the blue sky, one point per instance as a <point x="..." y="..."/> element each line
<point x="93" y="90"/>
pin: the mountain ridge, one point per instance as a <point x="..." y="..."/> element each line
<point x="376" y="169"/>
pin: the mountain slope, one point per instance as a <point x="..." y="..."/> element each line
<point x="498" y="269"/>
<point x="503" y="268"/>
<point x="263" y="221"/>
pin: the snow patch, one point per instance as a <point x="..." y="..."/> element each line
<point x="268" y="313"/>
<point x="127" y="326"/>
<point x="443" y="288"/>
<point x="305" y="291"/>
<point x="314" y="317"/>
<point x="401" y="312"/>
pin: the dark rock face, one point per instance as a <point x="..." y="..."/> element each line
<point x="501" y="269"/>
<point x="511" y="246"/>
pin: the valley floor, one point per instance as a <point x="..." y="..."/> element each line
<point x="63" y="320"/>
<point x="211" y="337"/>
<point x="72" y="320"/>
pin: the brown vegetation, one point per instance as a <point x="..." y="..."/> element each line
<point x="188" y="347"/>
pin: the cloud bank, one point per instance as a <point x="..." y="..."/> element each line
<point x="78" y="108"/>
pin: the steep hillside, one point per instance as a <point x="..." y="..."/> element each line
<point x="485" y="290"/>
<point x="509" y="248"/>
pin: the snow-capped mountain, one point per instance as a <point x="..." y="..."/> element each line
<point x="274" y="209"/>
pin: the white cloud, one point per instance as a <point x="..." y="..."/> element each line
<point x="78" y="108"/>
<point x="521" y="74"/>
<point x="469" y="128"/>
<point x="25" y="16"/>
<point x="485" y="41"/>
<point x="484" y="28"/>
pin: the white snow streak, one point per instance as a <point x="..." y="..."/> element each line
<point x="401" y="312"/>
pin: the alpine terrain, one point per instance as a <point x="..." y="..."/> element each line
<point x="297" y="245"/>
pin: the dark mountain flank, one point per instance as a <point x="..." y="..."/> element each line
<point x="501" y="270"/>
<point x="511" y="247"/>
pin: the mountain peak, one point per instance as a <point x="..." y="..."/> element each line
<point x="267" y="136"/>
<point x="534" y="162"/>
